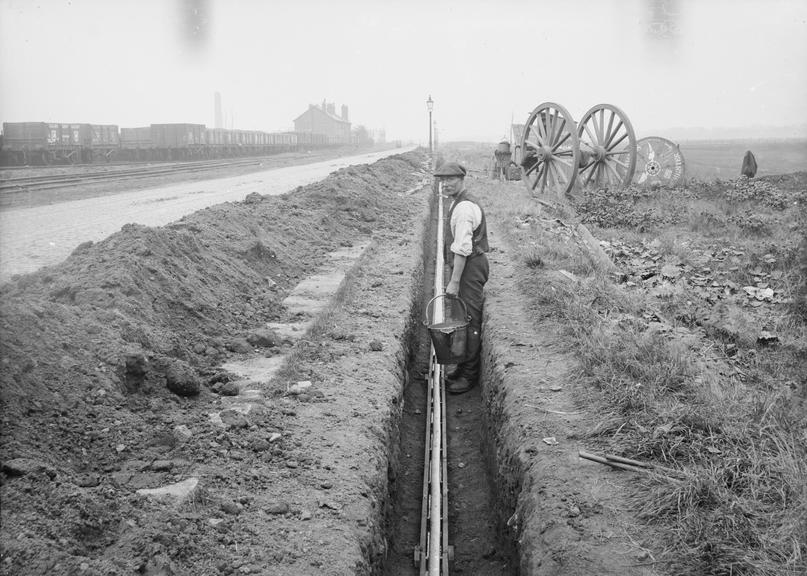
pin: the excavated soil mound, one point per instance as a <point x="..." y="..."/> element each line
<point x="110" y="369"/>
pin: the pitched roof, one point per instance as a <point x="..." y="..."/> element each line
<point x="327" y="114"/>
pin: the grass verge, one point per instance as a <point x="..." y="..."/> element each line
<point x="736" y="433"/>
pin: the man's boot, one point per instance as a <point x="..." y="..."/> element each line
<point x="468" y="370"/>
<point x="455" y="373"/>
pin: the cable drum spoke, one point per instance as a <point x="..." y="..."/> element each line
<point x="560" y="161"/>
<point x="557" y="142"/>
<point x="540" y="134"/>
<point x="554" y="125"/>
<point x="612" y="144"/>
<point x="591" y="137"/>
<point x="609" y="144"/>
<point x="608" y="134"/>
<point x="561" y="142"/>
<point x="613" y="170"/>
<point x="618" y="142"/>
<point x="550" y="129"/>
<point x="587" y="166"/>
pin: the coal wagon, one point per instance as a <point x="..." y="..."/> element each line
<point x="105" y="142"/>
<point x="44" y="143"/>
<point x="136" y="143"/>
<point x="178" y="141"/>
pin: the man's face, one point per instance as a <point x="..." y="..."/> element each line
<point x="452" y="185"/>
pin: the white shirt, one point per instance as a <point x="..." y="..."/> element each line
<point x="466" y="218"/>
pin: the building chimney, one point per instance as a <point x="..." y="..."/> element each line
<point x="332" y="109"/>
<point x="344" y="113"/>
<point x="218" y="117"/>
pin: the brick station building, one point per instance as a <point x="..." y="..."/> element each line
<point x="323" y="120"/>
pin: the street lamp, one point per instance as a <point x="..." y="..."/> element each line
<point x="430" y="106"/>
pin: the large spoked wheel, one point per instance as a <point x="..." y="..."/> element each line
<point x="550" y="152"/>
<point x="607" y="148"/>
<point x="660" y="163"/>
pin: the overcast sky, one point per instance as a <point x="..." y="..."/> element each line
<point x="666" y="63"/>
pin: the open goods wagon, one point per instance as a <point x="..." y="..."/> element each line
<point x="136" y="143"/>
<point x="44" y="142"/>
<point x="178" y="141"/>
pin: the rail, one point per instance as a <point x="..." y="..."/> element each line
<point x="29" y="183"/>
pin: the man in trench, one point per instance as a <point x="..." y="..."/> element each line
<point x="466" y="242"/>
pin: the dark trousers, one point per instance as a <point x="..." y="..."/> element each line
<point x="472" y="284"/>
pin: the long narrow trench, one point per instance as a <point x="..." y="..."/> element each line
<point x="473" y="532"/>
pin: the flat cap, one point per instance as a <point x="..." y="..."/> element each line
<point x="451" y="169"/>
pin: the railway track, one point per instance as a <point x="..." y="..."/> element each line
<point x="52" y="181"/>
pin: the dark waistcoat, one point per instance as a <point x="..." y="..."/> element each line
<point x="479" y="238"/>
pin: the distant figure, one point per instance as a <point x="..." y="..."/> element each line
<point x="749" y="168"/>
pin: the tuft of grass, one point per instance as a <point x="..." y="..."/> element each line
<point x="533" y="259"/>
<point x="632" y="368"/>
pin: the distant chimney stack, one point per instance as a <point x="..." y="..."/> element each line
<point x="344" y="113"/>
<point x="332" y="109"/>
<point x="218" y="116"/>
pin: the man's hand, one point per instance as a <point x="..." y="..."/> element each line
<point x="453" y="288"/>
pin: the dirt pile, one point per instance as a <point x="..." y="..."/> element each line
<point x="110" y="358"/>
<point x="187" y="290"/>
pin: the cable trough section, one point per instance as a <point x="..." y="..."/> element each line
<point x="433" y="553"/>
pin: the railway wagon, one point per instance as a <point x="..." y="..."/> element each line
<point x="178" y="141"/>
<point x="22" y="141"/>
<point x="43" y="142"/>
<point x="105" y="142"/>
<point x="292" y="140"/>
<point x="219" y="143"/>
<point x="306" y="140"/>
<point x="136" y="144"/>
<point x="251" y="142"/>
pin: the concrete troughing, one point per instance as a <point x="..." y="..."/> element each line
<point x="305" y="302"/>
<point x="313" y="294"/>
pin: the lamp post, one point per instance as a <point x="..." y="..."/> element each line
<point x="430" y="106"/>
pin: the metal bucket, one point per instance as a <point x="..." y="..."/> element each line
<point x="449" y="337"/>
